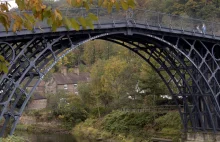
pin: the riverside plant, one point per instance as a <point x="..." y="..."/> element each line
<point x="13" y="138"/>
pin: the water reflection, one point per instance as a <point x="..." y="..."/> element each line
<point x="33" y="137"/>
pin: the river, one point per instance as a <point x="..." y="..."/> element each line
<point x="37" y="137"/>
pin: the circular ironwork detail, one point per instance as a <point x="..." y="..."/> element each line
<point x="216" y="52"/>
<point x="10" y="58"/>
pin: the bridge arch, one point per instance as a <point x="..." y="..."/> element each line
<point x="185" y="61"/>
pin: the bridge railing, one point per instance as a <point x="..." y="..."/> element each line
<point x="149" y="19"/>
<point x="163" y="108"/>
<point x="144" y="17"/>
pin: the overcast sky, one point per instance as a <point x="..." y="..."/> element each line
<point x="11" y="2"/>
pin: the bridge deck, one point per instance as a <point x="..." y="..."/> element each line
<point x="152" y="22"/>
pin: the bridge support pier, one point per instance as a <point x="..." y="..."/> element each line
<point x="202" y="137"/>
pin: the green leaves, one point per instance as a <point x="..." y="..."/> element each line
<point x="89" y="23"/>
<point x="131" y="3"/>
<point x="93" y="17"/>
<point x="124" y="4"/>
<point x="100" y="2"/>
<point x="3" y="65"/>
<point x="75" y="24"/>
<point x="67" y="23"/>
<point x="82" y="22"/>
<point x="117" y="6"/>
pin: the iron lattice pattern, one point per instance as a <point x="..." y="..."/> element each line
<point x="190" y="69"/>
<point x="30" y="59"/>
<point x="188" y="62"/>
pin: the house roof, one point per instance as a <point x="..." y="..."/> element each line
<point x="70" y="78"/>
<point x="33" y="82"/>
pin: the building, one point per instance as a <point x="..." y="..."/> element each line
<point x="39" y="89"/>
<point x="37" y="102"/>
<point x="66" y="81"/>
<point x="59" y="81"/>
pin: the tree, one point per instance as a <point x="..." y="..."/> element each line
<point x="87" y="97"/>
<point x="150" y="82"/>
<point x="98" y="49"/>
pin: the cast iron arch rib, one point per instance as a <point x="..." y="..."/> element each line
<point x="188" y="62"/>
<point x="157" y="58"/>
<point x="205" y="103"/>
<point x="11" y="113"/>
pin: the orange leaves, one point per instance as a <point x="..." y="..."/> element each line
<point x="43" y="6"/>
<point x="69" y="2"/>
<point x="57" y="14"/>
<point x="4" y="20"/>
<point x="54" y="17"/>
<point x="18" y="22"/>
<point x="4" y="7"/>
<point x="24" y="20"/>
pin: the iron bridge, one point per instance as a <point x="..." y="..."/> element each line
<point x="189" y="58"/>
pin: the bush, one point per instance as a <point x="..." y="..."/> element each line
<point x="170" y="120"/>
<point x="70" y="110"/>
<point x="169" y="125"/>
<point x="128" y="123"/>
<point x="94" y="112"/>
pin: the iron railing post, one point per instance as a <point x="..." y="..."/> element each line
<point x="145" y="19"/>
<point x="181" y="24"/>
<point x="158" y="19"/>
<point x="97" y="14"/>
<point x="213" y="34"/>
<point x="170" y="22"/>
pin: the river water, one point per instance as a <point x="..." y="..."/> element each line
<point x="36" y="137"/>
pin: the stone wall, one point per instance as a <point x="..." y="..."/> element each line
<point x="202" y="137"/>
<point x="27" y="120"/>
<point x="38" y="104"/>
<point x="51" y="86"/>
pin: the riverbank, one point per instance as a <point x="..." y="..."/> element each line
<point x="36" y="128"/>
<point x="42" y="122"/>
<point x="117" y="126"/>
<point x="131" y="127"/>
<point x="91" y="133"/>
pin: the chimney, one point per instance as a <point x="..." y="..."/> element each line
<point x="64" y="70"/>
<point x="76" y="70"/>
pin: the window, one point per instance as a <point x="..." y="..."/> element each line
<point x="65" y="86"/>
<point x="75" y="86"/>
<point x="75" y="89"/>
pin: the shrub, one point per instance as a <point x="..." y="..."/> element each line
<point x="170" y="120"/>
<point x="125" y="122"/>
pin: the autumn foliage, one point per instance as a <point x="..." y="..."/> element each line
<point x="33" y="11"/>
